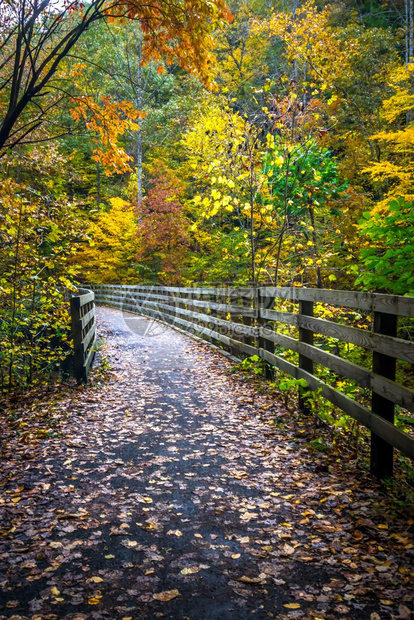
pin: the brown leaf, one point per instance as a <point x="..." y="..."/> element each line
<point x="253" y="581"/>
<point x="288" y="549"/>
<point x="405" y="613"/>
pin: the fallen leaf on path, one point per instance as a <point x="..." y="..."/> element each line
<point x="167" y="595"/>
<point x="254" y="581"/>
<point x="191" y="570"/>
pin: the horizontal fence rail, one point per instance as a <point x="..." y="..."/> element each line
<point x="257" y="321"/>
<point x="82" y="311"/>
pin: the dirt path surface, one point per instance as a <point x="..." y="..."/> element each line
<point x="167" y="493"/>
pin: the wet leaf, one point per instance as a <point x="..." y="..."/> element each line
<point x="167" y="595"/>
<point x="191" y="570"/>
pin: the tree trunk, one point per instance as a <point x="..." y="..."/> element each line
<point x="98" y="183"/>
<point x="138" y="41"/>
<point x="319" y="283"/>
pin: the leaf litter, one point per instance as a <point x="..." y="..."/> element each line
<point x="167" y="490"/>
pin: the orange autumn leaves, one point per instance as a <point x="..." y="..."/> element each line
<point x="172" y="33"/>
<point x="107" y="121"/>
<point x="177" y="32"/>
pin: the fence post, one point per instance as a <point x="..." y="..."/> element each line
<point x="265" y="302"/>
<point x="382" y="453"/>
<point x="306" y="336"/>
<point x="234" y="298"/>
<point x="248" y="301"/>
<point x="213" y="299"/>
<point x="78" y="352"/>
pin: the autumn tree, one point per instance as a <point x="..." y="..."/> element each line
<point x="162" y="229"/>
<point x="393" y="171"/>
<point x="37" y="35"/>
<point x="245" y="59"/>
<point x="223" y="166"/>
<point x="109" y="254"/>
<point x="43" y="99"/>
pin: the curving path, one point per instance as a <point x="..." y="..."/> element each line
<point x="170" y="495"/>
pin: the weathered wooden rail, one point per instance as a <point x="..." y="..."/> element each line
<point x="251" y="321"/>
<point x="82" y="311"/>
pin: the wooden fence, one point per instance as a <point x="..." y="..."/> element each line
<point x="82" y="310"/>
<point x="255" y="321"/>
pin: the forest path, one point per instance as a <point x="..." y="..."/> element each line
<point x="170" y="494"/>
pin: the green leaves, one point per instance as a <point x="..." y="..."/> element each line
<point x="40" y="235"/>
<point x="387" y="256"/>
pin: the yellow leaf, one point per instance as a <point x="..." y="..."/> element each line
<point x="167" y="595"/>
<point x="96" y="579"/>
<point x="55" y="591"/>
<point x="292" y="606"/>
<point x="149" y="525"/>
<point x="190" y="571"/>
<point x="239" y="474"/>
<point x="94" y="600"/>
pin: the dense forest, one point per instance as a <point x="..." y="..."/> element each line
<point x="194" y="142"/>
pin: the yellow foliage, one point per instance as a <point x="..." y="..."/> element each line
<point x="213" y="146"/>
<point x="113" y="246"/>
<point x="396" y="167"/>
<point x="308" y="36"/>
